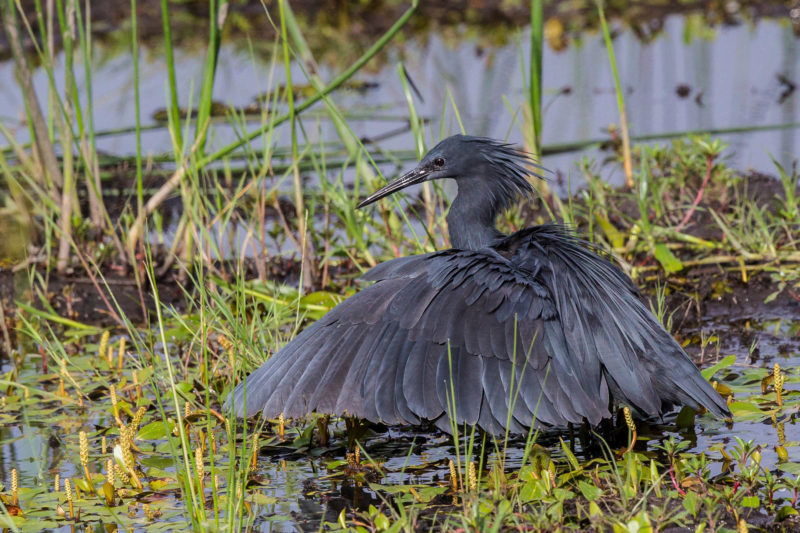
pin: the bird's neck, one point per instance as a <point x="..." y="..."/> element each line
<point x="470" y="220"/>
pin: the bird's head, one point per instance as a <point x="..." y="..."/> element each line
<point x="493" y="167"/>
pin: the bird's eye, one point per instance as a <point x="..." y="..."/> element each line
<point x="439" y="162"/>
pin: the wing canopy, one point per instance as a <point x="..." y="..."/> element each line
<point x="536" y="332"/>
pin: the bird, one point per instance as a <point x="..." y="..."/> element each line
<point x="536" y="329"/>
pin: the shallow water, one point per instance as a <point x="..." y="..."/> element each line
<point x="731" y="80"/>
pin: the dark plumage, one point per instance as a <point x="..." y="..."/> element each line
<point x="500" y="331"/>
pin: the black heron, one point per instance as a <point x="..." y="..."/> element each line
<point x="500" y="331"/>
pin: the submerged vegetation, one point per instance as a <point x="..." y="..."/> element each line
<point x="135" y="319"/>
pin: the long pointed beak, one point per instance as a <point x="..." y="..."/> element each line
<point x="410" y="178"/>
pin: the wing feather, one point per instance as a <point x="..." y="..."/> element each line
<point x="539" y="314"/>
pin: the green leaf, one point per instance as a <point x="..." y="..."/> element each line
<point x="381" y="522"/>
<point x="669" y="262"/>
<point x="744" y="406"/>
<point x="783" y="455"/>
<point x="590" y="492"/>
<point x="156" y="430"/>
<point x="612" y="233"/>
<point x="690" y="502"/>
<point x="336" y="464"/>
<point x="108" y="493"/>
<point x="259" y="498"/>
<point x="751" y="501"/>
<point x="772" y="296"/>
<point x="82" y="484"/>
<point x="724" y="363"/>
<point x="573" y="461"/>
<point x="785" y="512"/>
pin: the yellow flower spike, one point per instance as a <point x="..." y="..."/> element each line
<point x="103" y="445"/>
<point x="225" y="343"/>
<point x="254" y="456"/>
<point x="150" y="513"/>
<point x="781" y="434"/>
<point x="120" y="474"/>
<point x="14" y="486"/>
<point x="137" y="385"/>
<point x="102" y="351"/>
<point x="453" y="476"/>
<point x="137" y="419"/>
<point x="57" y="483"/>
<point x="110" y="477"/>
<point x="110" y="357"/>
<point x="742" y="526"/>
<point x="61" y="391"/>
<point x="281" y="426"/>
<point x="126" y="442"/>
<point x="199" y="464"/>
<point x="112" y="391"/>
<point x="779" y="388"/>
<point x="187" y="410"/>
<point x="357" y="455"/>
<point x="121" y="356"/>
<point x="212" y="443"/>
<point x="68" y="490"/>
<point x="472" y="476"/>
<point x="84" y="454"/>
<point x="631" y="427"/>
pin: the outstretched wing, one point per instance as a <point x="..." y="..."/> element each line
<point x="604" y="320"/>
<point x="461" y="335"/>
<point x="538" y="331"/>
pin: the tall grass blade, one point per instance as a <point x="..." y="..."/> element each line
<point x="627" y="160"/>
<point x="302" y="232"/>
<point x="68" y="193"/>
<point x="535" y="88"/>
<point x="173" y="110"/>
<point x="49" y="177"/>
<point x="136" y="104"/>
<point x="216" y="19"/>
<point x="332" y="86"/>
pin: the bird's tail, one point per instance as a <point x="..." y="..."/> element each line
<point x="681" y="384"/>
